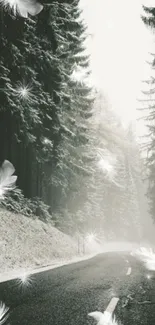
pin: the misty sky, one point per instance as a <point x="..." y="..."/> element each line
<point x="119" y="47"/>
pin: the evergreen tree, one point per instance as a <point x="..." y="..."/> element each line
<point x="149" y="108"/>
<point x="76" y="103"/>
<point x="44" y="109"/>
<point x="107" y="199"/>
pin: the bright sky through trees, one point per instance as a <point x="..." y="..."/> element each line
<point x="120" y="44"/>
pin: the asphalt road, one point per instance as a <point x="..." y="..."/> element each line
<point x="65" y="295"/>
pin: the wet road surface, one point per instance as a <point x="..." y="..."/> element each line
<point x="65" y="295"/>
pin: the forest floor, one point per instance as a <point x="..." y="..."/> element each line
<point x="27" y="243"/>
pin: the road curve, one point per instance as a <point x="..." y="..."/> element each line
<point x="66" y="295"/>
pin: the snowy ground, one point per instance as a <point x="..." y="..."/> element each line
<point x="22" y="272"/>
<point x="31" y="244"/>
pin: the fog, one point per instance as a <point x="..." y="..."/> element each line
<point x="117" y="246"/>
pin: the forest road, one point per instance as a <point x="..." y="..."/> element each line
<point x="66" y="295"/>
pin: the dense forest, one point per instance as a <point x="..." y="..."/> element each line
<point x="148" y="110"/>
<point x="77" y="166"/>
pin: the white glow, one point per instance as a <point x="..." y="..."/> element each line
<point x="148" y="276"/>
<point x="146" y="255"/>
<point x="108" y="167"/>
<point x="47" y="141"/>
<point x="90" y="237"/>
<point x="105" y="165"/>
<point x="106" y="162"/>
<point x="24" y="279"/>
<point x="119" y="45"/>
<point x="22" y="91"/>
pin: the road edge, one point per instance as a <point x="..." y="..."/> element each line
<point x="17" y="274"/>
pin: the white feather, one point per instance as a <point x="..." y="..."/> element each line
<point x="97" y="315"/>
<point x="147" y="256"/>
<point x="103" y="318"/>
<point x="7" y="180"/>
<point x="3" y="313"/>
<point x="31" y="7"/>
<point x="22" y="7"/>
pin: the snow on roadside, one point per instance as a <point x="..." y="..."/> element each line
<point x="30" y="244"/>
<point x="22" y="272"/>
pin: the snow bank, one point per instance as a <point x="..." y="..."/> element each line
<point x="27" y="243"/>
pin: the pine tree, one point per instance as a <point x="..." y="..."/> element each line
<point x="28" y="111"/>
<point x="149" y="108"/>
<point x="44" y="108"/>
<point x="76" y="101"/>
<point x="108" y="203"/>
